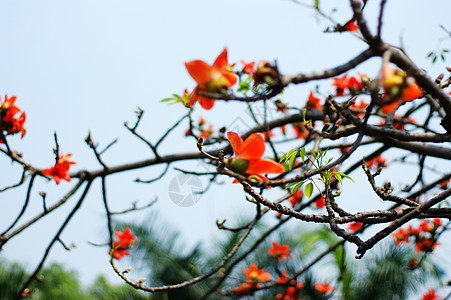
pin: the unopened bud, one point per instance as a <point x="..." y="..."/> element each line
<point x="200" y="141"/>
<point x="350" y="102"/>
<point x="326" y="120"/>
<point x="439" y="78"/>
<point x="448" y="69"/>
<point x="338" y="123"/>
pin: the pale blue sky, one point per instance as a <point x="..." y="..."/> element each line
<point x="77" y="66"/>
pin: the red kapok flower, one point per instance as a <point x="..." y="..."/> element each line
<point x="342" y="83"/>
<point x="119" y="251"/>
<point x="378" y="162"/>
<point x="392" y="81"/>
<point x="279" y="251"/>
<point x="126" y="237"/>
<point x="320" y="203"/>
<point x="283" y="278"/>
<point x="246" y="289"/>
<point x="401" y="236"/>
<point x="351" y="26"/>
<point x="248" y="155"/>
<point x="361" y="106"/>
<point x="126" y="240"/>
<point x="300" y="130"/>
<point x="8" y="111"/>
<point x="296" y="197"/>
<point x="249" y="68"/>
<point x="60" y="169"/>
<point x="426" y="245"/>
<point x="215" y="78"/>
<point x="323" y="287"/>
<point x="430" y="295"/>
<point x="254" y="274"/>
<point x="355" y="226"/>
<point x="444" y="184"/>
<point x="313" y="102"/>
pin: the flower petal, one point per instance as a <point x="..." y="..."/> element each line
<point x="206" y="103"/>
<point x="231" y="77"/>
<point x="235" y="141"/>
<point x="221" y="62"/>
<point x="412" y="92"/>
<point x="264" y="166"/>
<point x="200" y="71"/>
<point x="253" y="147"/>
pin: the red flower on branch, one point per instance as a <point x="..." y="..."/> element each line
<point x="351" y="26"/>
<point x="246" y="289"/>
<point x="392" y="82"/>
<point x="126" y="241"/>
<point x="430" y="295"/>
<point x="361" y="106"/>
<point x="320" y="203"/>
<point x="355" y="226"/>
<point x="60" y="169"/>
<point x="10" y="123"/>
<point x="323" y="287"/>
<point x="378" y="162"/>
<point x="296" y="197"/>
<point x="444" y="184"/>
<point x="313" y="102"/>
<point x="248" y="155"/>
<point x="279" y="251"/>
<point x="215" y="78"/>
<point x="342" y="83"/>
<point x="249" y="68"/>
<point x="300" y="130"/>
<point x="255" y="274"/>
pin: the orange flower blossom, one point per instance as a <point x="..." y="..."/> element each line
<point x="279" y="251"/>
<point x="249" y="68"/>
<point x="126" y="241"/>
<point x="8" y="111"/>
<point x="355" y="226"/>
<point x="351" y="26"/>
<point x="215" y="78"/>
<point x="60" y="169"/>
<point x="323" y="287"/>
<point x="296" y="197"/>
<point x="248" y="155"/>
<point x="392" y="81"/>
<point x="254" y="274"/>
<point x="342" y="83"/>
<point x="430" y="295"/>
<point x="313" y="102"/>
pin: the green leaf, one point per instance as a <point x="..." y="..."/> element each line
<point x="338" y="176"/>
<point x="302" y="154"/>
<point x="308" y="190"/>
<point x="345" y="176"/>
<point x="445" y="51"/>
<point x="443" y="57"/>
<point x="430" y="54"/>
<point x="313" y="153"/>
<point x="291" y="184"/>
<point x="296" y="187"/>
<point x="292" y="158"/>
<point x="434" y="59"/>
